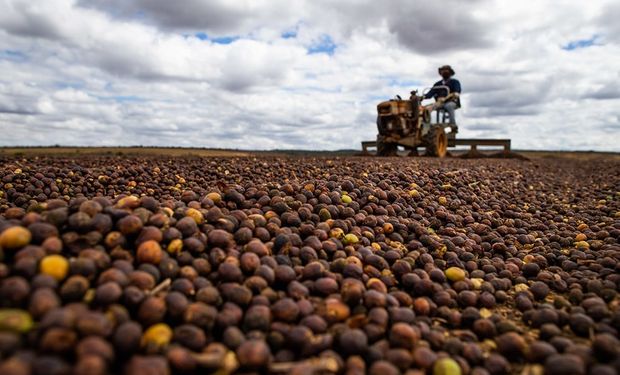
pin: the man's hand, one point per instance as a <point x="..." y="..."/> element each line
<point x="452" y="95"/>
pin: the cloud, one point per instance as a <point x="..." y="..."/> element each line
<point x="485" y="127"/>
<point x="438" y="27"/>
<point x="15" y="111"/>
<point x="608" y="22"/>
<point x="29" y="19"/>
<point x="511" y="100"/>
<point x="300" y="74"/>
<point x="609" y="90"/>
<point x="217" y="16"/>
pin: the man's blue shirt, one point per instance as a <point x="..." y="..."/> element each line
<point x="453" y="84"/>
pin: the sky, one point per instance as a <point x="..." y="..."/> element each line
<point x="303" y="74"/>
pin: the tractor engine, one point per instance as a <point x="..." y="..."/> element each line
<point x="397" y="117"/>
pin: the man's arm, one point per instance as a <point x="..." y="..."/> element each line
<point x="433" y="91"/>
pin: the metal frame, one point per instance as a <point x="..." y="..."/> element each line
<point x="453" y="141"/>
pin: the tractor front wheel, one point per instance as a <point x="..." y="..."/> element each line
<point x="386" y="148"/>
<point x="436" y="142"/>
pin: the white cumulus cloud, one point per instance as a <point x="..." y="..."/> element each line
<point x="263" y="74"/>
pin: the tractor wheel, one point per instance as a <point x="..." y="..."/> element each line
<point x="385" y="149"/>
<point x="436" y="142"/>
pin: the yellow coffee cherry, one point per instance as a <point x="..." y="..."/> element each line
<point x="55" y="265"/>
<point x="15" y="238"/>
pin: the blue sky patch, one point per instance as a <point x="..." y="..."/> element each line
<point x="325" y="44"/>
<point x="225" y="39"/>
<point x="312" y="88"/>
<point x="397" y="82"/>
<point x="289" y="34"/>
<point x="378" y="98"/>
<point x="13" y="55"/>
<point x="581" y="43"/>
<point x="292" y="32"/>
<point x="201" y="36"/>
<point x="127" y="98"/>
<point x="121" y="98"/>
<point x="217" y="40"/>
<point x="69" y="85"/>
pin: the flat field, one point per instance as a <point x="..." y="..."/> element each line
<point x="166" y="261"/>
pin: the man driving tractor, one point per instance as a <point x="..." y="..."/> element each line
<point x="447" y="94"/>
<point x="406" y="124"/>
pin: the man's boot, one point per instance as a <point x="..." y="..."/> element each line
<point x="454" y="128"/>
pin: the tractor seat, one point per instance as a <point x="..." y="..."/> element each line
<point x="441" y="116"/>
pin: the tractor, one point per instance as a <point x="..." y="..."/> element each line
<point x="408" y="123"/>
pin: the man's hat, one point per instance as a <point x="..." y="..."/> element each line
<point x="446" y="67"/>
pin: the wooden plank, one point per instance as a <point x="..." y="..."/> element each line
<point x="505" y="143"/>
<point x="482" y="142"/>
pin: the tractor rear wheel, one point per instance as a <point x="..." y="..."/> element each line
<point x="436" y="142"/>
<point x="385" y="148"/>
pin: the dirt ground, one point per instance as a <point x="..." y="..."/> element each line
<point x="181" y="261"/>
